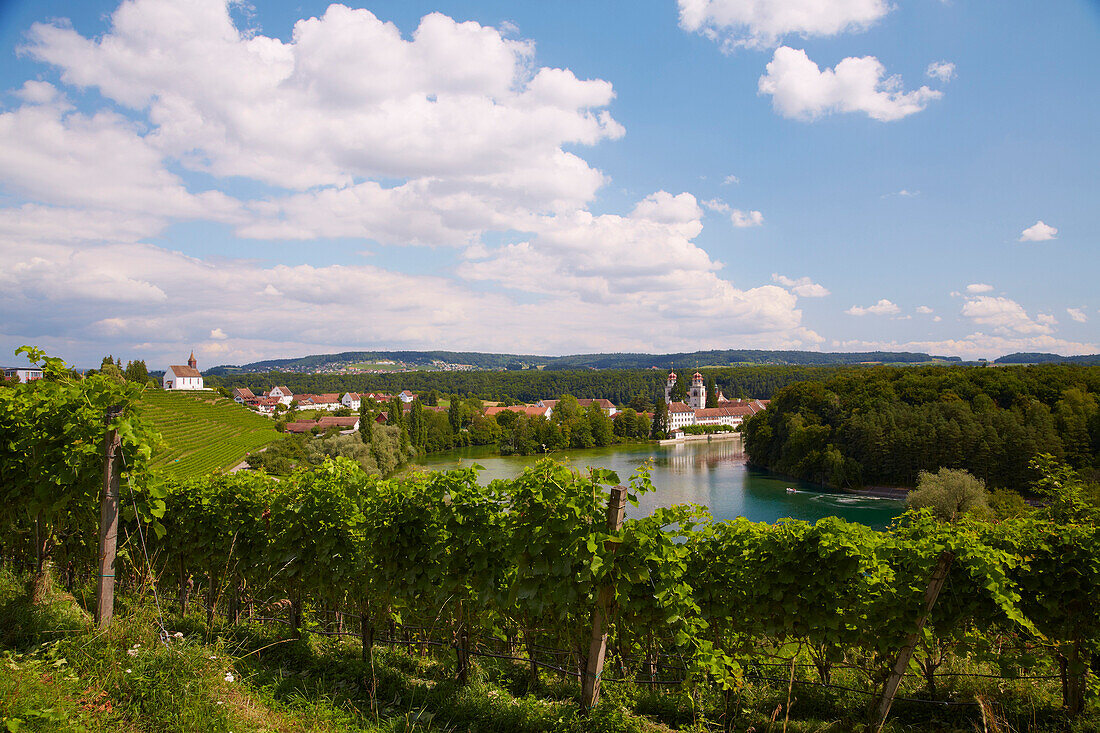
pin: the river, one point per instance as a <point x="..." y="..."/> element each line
<point x="713" y="474"/>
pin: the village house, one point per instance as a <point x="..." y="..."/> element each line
<point x="282" y="394"/>
<point x="178" y="377"/>
<point x="351" y="400"/>
<point x="23" y="374"/>
<point x="243" y="396"/>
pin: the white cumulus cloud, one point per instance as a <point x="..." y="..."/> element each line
<point x="1005" y="316"/>
<point x="1038" y="232"/>
<point x="801" y="90"/>
<point x="978" y="288"/>
<point x="882" y="308"/>
<point x="761" y="23"/>
<point x="942" y="70"/>
<point x="741" y="219"/>
<point x="924" y="310"/>
<point x="803" y="286"/>
<point x="1077" y="314"/>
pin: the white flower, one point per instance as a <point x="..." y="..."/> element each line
<point x="229" y="677"/>
<point x="132" y="652"/>
<point x="213" y="657"/>
<point x="136" y="646"/>
<point x="129" y="671"/>
<point x="219" y="702"/>
<point x="178" y="635"/>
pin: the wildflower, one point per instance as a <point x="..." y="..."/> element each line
<point x="178" y="635"/>
<point x="212" y="657"/>
<point x="229" y="677"/>
<point x="132" y="652"/>
<point x="128" y="671"/>
<point x="219" y="702"/>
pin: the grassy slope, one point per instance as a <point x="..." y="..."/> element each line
<point x="203" y="431"/>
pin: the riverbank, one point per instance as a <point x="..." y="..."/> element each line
<point x="706" y="437"/>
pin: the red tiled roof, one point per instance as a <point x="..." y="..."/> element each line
<point x="679" y="407"/>
<point x="605" y="404"/>
<point x="244" y="393"/>
<point x="324" y="423"/>
<point x="184" y="371"/>
<point x="529" y="410"/>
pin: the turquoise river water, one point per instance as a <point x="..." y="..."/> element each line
<point x="713" y="474"/>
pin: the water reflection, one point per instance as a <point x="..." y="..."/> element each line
<point x="713" y="474"/>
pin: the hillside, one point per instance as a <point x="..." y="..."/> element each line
<point x="1043" y="358"/>
<point x="685" y="360"/>
<point x="203" y="431"/>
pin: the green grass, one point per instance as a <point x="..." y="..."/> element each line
<point x="203" y="432"/>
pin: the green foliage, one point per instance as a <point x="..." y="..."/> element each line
<point x="885" y="426"/>
<point x="52" y="435"/>
<point x="950" y="493"/>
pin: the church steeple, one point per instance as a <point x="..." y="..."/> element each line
<point x="191" y="361"/>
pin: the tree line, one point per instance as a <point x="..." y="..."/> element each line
<point x="885" y="426"/>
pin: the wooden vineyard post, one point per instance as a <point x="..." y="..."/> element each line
<point x="597" y="648"/>
<point x="935" y="585"/>
<point x="108" y="525"/>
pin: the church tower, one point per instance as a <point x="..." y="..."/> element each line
<point x="192" y="362"/>
<point x="697" y="394"/>
<point x="669" y="384"/>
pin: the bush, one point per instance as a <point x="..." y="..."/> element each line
<point x="950" y="493"/>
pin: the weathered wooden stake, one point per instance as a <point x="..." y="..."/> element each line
<point x="935" y="585"/>
<point x="108" y="524"/>
<point x="597" y="648"/>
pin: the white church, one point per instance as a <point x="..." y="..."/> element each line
<point x="696" y="412"/>
<point x="183" y="377"/>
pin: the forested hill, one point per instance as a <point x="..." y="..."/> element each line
<point x="692" y="360"/>
<point x="883" y="426"/>
<point x="1041" y="358"/>
<point x="419" y="358"/>
<point x="730" y="357"/>
<point x="529" y="385"/>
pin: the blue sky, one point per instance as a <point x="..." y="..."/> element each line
<point x="276" y="179"/>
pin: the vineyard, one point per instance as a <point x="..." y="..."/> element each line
<point x="203" y="431"/>
<point x="538" y="586"/>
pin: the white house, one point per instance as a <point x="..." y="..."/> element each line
<point x="23" y="374"/>
<point x="351" y="400"/>
<point x="243" y="396"/>
<point x="284" y="395"/>
<point x="406" y="396"/>
<point x="178" y="377"/>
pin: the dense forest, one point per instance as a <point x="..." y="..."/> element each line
<point x="688" y="360"/>
<point x="883" y="426"/>
<point x="617" y="385"/>
<point x="1044" y="358"/>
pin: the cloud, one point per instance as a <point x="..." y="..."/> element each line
<point x="741" y="219"/>
<point x="1038" y="232"/>
<point x="346" y="97"/>
<point x="903" y="193"/>
<point x="730" y="179"/>
<point x="803" y="286"/>
<point x="924" y="310"/>
<point x="942" y="70"/>
<point x="977" y="345"/>
<point x="1077" y="314"/>
<point x="978" y="288"/>
<point x="761" y="23"/>
<point x="882" y="308"/>
<point x="1005" y="316"/>
<point x="802" y="91"/>
<point x="561" y="294"/>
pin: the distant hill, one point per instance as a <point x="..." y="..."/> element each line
<point x="692" y="360"/>
<point x="734" y="357"/>
<point x="1041" y="358"/>
<point x="203" y="431"/>
<point x="318" y="362"/>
